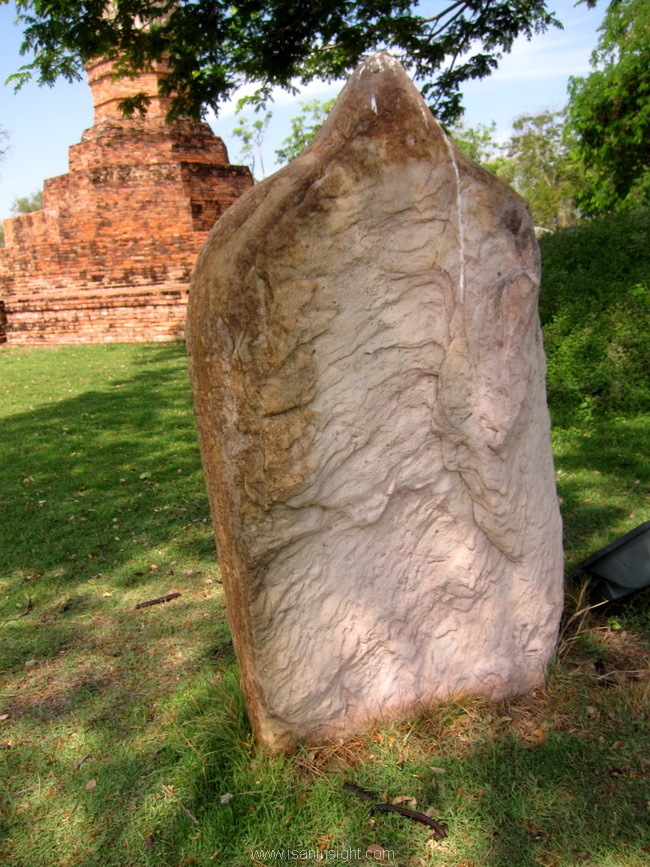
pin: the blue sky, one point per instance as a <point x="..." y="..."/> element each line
<point x="43" y="122"/>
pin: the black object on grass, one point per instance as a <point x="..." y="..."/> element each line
<point x="620" y="568"/>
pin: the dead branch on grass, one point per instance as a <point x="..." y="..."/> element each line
<point x="28" y="608"/>
<point x="375" y="807"/>
<point x="81" y="761"/>
<point x="157" y="601"/>
<point x="168" y="791"/>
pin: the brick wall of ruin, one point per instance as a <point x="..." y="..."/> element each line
<point x="109" y="257"/>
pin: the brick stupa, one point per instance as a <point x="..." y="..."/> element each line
<point x="109" y="257"/>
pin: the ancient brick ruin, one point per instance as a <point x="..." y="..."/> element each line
<point x="109" y="257"/>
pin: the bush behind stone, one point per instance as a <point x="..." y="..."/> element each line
<point x="595" y="313"/>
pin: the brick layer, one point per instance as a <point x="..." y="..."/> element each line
<point x="109" y="256"/>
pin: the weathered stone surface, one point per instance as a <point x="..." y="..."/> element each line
<point x="368" y="376"/>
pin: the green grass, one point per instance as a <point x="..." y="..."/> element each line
<point x="103" y="506"/>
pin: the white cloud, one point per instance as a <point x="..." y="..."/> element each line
<point x="281" y="98"/>
<point x="558" y="55"/>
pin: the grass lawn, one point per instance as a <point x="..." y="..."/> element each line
<point x="123" y="739"/>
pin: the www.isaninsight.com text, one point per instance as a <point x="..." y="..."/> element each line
<point x="342" y="855"/>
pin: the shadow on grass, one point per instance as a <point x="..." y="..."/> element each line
<point x="506" y="801"/>
<point x="103" y="503"/>
<point x="105" y="485"/>
<point x="559" y="803"/>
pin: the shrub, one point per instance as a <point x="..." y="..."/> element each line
<point x="595" y="313"/>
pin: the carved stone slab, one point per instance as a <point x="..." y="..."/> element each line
<point x="368" y="374"/>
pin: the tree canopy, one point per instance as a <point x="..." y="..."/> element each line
<point x="542" y="167"/>
<point x="27" y="204"/>
<point x="304" y="127"/>
<point x="252" y="138"/>
<point x="609" y="111"/>
<point x="479" y="144"/>
<point x="213" y="47"/>
<point x="537" y="160"/>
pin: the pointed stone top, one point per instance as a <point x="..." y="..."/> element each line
<point x="378" y="73"/>
<point x="379" y="101"/>
<point x="379" y="62"/>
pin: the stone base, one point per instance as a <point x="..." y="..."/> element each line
<point x="118" y="316"/>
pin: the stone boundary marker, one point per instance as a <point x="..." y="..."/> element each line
<point x="368" y="377"/>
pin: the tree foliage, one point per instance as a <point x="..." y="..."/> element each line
<point x="213" y="47"/>
<point x="537" y="160"/>
<point x="609" y="111"/>
<point x="541" y="167"/>
<point x="252" y="137"/>
<point x="303" y="128"/>
<point x="27" y="204"/>
<point x="595" y="313"/>
<point x="479" y="144"/>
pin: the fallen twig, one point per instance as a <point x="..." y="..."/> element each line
<point x="81" y="761"/>
<point x="28" y="608"/>
<point x="411" y="814"/>
<point x="168" y="791"/>
<point x="639" y="673"/>
<point x="489" y="851"/>
<point x="375" y="807"/>
<point x="19" y="792"/>
<point x="359" y="792"/>
<point x="160" y="599"/>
